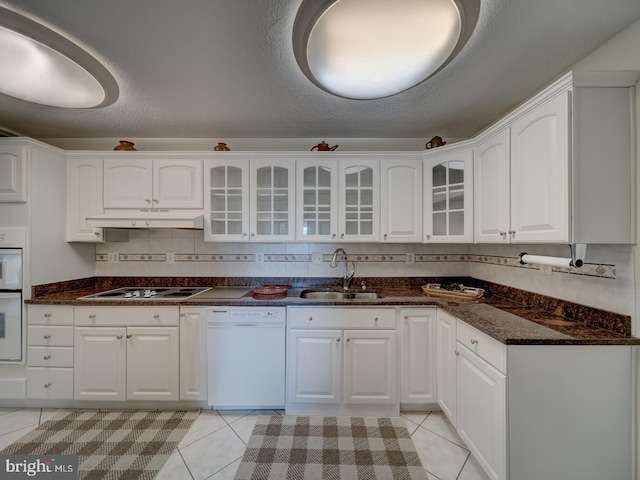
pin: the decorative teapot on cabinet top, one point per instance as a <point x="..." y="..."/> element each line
<point x="324" y="147"/>
<point x="435" y="142"/>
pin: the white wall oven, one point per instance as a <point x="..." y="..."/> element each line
<point x="11" y="295"/>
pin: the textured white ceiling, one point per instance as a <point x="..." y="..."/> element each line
<point x="226" y="69"/>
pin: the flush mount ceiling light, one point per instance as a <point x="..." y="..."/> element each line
<point x="365" y="49"/>
<point x="41" y="66"/>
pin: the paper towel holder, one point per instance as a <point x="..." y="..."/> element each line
<point x="578" y="253"/>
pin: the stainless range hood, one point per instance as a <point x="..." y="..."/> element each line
<point x="147" y="219"/>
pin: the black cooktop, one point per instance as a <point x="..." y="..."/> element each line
<point x="147" y="293"/>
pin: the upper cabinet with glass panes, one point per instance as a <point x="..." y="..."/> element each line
<point x="448" y="201"/>
<point x="359" y="200"/>
<point x="317" y="200"/>
<point x="249" y="200"/>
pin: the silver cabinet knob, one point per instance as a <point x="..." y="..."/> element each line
<point x="47" y="385"/>
<point x="92" y="317"/>
<point x="129" y="335"/>
<point x="333" y="235"/>
<point x="147" y="200"/>
<point x="155" y="200"/>
<point x="244" y="234"/>
<point x="337" y="339"/>
<point x="47" y="315"/>
<point x="47" y="357"/>
<point x="156" y="316"/>
<point x="342" y="235"/>
<point x="348" y="340"/>
<point x="310" y="318"/>
<point x="502" y="233"/>
<point x="133" y="223"/>
<point x="119" y="337"/>
<point x="385" y="235"/>
<point x="47" y="337"/>
<point x="512" y="232"/>
<point x="253" y="234"/>
<point x="473" y="341"/>
<point x="457" y="353"/>
<point x="376" y="319"/>
<point x="428" y="236"/>
<point x="97" y="234"/>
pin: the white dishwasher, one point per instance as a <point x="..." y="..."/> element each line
<point x="246" y="357"/>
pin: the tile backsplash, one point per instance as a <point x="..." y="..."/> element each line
<point x="605" y="281"/>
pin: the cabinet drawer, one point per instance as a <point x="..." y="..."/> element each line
<point x="50" y="383"/>
<point x="341" y="317"/>
<point x="127" y="316"/>
<point x="50" y="356"/>
<point x="47" y="336"/>
<point x="50" y="314"/>
<point x="487" y="348"/>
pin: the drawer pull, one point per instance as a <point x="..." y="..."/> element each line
<point x="457" y="353"/>
<point x="47" y="385"/>
<point x="376" y="319"/>
<point x="348" y="340"/>
<point x="47" y="315"/>
<point x="156" y="316"/>
<point x="337" y="339"/>
<point x="47" y="357"/>
<point x="129" y="335"/>
<point x="119" y="337"/>
<point x="92" y="317"/>
<point x="473" y="341"/>
<point x="47" y="337"/>
<point x="310" y="318"/>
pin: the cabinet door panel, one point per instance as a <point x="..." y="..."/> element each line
<point x="401" y="205"/>
<point x="177" y="184"/>
<point x="482" y="412"/>
<point x="370" y="366"/>
<point x="317" y="205"/>
<point x="272" y="208"/>
<point x="99" y="365"/>
<point x="84" y="198"/>
<point x="446" y="364"/>
<point x="540" y="173"/>
<point x="492" y="189"/>
<point x="227" y="200"/>
<point x="193" y="354"/>
<point x="314" y="366"/>
<point x="128" y="183"/>
<point x="418" y="356"/>
<point x="359" y="201"/>
<point x="152" y="363"/>
<point x="13" y="173"/>
<point x="448" y="203"/>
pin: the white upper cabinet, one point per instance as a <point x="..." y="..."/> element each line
<point x="227" y="200"/>
<point x="448" y="203"/>
<point x="491" y="174"/>
<point x="569" y="156"/>
<point x="359" y="200"/>
<point x="317" y="205"/>
<point x="13" y="173"/>
<point x="401" y="200"/>
<point x="158" y="183"/>
<point x="250" y="200"/>
<point x="540" y="173"/>
<point x="272" y="210"/>
<point x="84" y="198"/>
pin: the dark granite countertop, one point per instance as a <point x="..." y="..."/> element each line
<point x="508" y="315"/>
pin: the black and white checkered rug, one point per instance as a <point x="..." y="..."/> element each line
<point x="317" y="447"/>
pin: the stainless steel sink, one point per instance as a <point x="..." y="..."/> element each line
<point x="331" y="295"/>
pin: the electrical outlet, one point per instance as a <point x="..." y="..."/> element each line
<point x="546" y="269"/>
<point x="316" y="258"/>
<point x="113" y="258"/>
<point x="409" y="258"/>
<point x="259" y="257"/>
<point x="171" y="257"/>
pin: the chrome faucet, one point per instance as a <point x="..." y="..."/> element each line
<point x="348" y="275"/>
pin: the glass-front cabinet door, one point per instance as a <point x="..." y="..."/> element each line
<point x="359" y="201"/>
<point x="227" y="198"/>
<point x="317" y="205"/>
<point x="448" y="209"/>
<point x="272" y="210"/>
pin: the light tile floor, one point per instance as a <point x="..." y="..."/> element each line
<point x="214" y="445"/>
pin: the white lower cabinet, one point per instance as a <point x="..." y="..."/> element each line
<point x="446" y="364"/>
<point x="193" y="353"/>
<point x="481" y="411"/>
<point x="418" y="356"/>
<point x="50" y="352"/>
<point x="125" y="362"/>
<point x="341" y="360"/>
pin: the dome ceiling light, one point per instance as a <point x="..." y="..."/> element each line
<point x="41" y="66"/>
<point x="366" y="49"/>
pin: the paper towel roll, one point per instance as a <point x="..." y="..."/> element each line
<point x="543" y="260"/>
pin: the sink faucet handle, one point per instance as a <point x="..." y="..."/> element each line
<point x="363" y="284"/>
